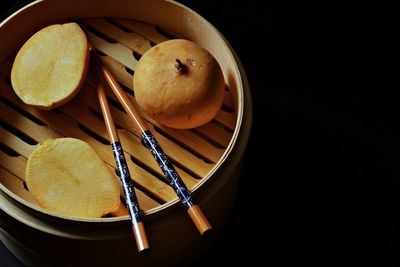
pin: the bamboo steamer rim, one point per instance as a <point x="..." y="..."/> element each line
<point x="191" y="16"/>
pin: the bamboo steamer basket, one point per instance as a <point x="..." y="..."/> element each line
<point x="208" y="158"/>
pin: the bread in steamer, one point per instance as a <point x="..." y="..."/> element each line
<point x="179" y="84"/>
<point x="51" y="66"/>
<point x="66" y="176"/>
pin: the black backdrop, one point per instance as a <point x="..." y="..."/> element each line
<point x="320" y="184"/>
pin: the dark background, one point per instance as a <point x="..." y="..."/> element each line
<point x="320" y="182"/>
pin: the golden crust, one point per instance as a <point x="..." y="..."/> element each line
<point x="179" y="99"/>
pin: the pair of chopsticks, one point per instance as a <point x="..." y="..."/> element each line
<point x="159" y="155"/>
<point x="123" y="173"/>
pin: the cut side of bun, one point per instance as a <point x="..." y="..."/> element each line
<point x="51" y="66"/>
<point x="66" y="176"/>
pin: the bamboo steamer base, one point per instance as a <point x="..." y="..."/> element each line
<point x="35" y="248"/>
<point x="207" y="158"/>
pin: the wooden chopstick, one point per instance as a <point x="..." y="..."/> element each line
<point x="151" y="143"/>
<point x="123" y="173"/>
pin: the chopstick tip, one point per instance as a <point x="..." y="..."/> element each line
<point x="199" y="219"/>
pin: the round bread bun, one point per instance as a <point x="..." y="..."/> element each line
<point x="179" y="84"/>
<point x="51" y="66"/>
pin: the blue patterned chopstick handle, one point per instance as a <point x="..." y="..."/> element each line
<point x="127" y="184"/>
<point x="173" y="177"/>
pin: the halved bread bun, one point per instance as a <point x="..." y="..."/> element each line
<point x="51" y="66"/>
<point x="68" y="177"/>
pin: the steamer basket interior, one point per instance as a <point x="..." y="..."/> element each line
<point x="196" y="153"/>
